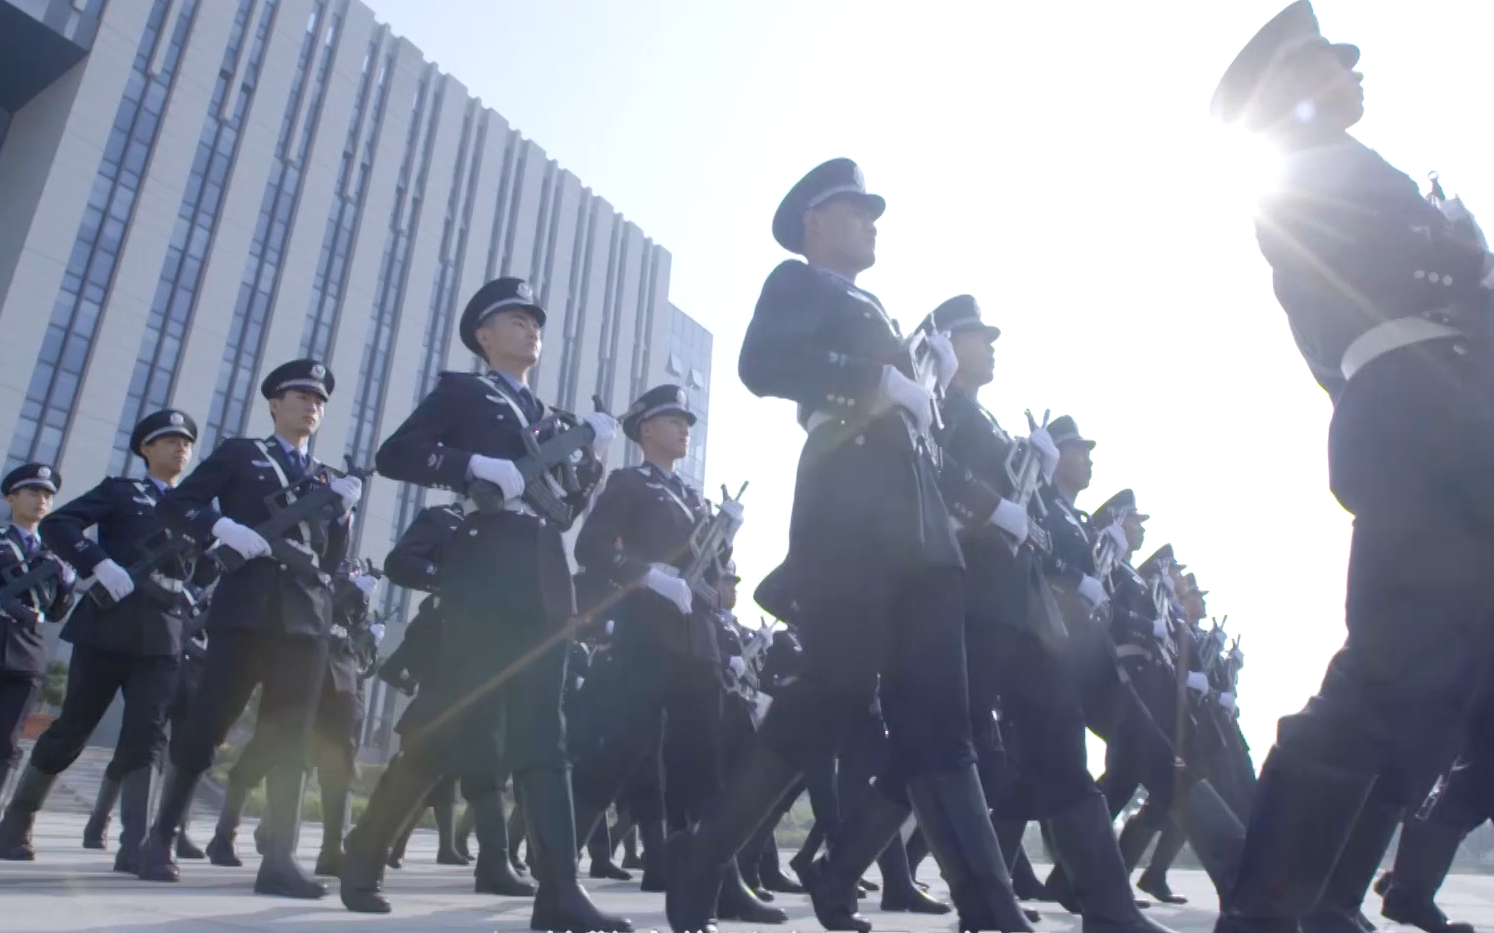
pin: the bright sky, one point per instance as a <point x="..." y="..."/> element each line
<point x="1055" y="160"/>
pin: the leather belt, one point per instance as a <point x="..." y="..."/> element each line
<point x="517" y="506"/>
<point x="1132" y="651"/>
<point x="1391" y="335"/>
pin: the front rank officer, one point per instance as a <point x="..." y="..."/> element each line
<point x="506" y="594"/>
<point x="269" y="621"/>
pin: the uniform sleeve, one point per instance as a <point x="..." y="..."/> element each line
<point x="419" y="451"/>
<point x="63" y="530"/>
<point x="339" y="539"/>
<point x="599" y="544"/>
<point x="973" y="478"/>
<point x="189" y="508"/>
<point x="415" y="560"/>
<point x="62" y="600"/>
<point x="1396" y="254"/>
<point x="782" y="358"/>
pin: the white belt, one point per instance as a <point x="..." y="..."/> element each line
<point x="168" y="584"/>
<point x="1391" y="335"/>
<point x="818" y="418"/>
<point x="517" y="506"/>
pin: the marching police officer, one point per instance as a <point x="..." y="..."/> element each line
<point x="269" y="621"/>
<point x="506" y="593"/>
<point x="878" y="575"/>
<point x="1014" y="637"/>
<point x="1387" y="298"/>
<point x="43" y="587"/>
<point x="131" y="641"/>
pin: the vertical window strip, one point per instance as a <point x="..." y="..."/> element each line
<point x="229" y="412"/>
<point x="56" y="379"/>
<point x="177" y="287"/>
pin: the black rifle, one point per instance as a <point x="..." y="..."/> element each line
<point x="536" y="464"/>
<point x="288" y="511"/>
<point x="159" y="551"/>
<point x="14" y="584"/>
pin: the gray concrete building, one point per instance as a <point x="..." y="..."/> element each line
<point x="195" y="191"/>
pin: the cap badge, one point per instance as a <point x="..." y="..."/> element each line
<point x="318" y="371"/>
<point x="524" y="292"/>
<point x="177" y="419"/>
<point x="44" y="473"/>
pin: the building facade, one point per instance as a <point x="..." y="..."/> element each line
<point x="213" y="187"/>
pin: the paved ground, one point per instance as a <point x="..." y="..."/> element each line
<point x="72" y="890"/>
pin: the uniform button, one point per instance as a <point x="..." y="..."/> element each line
<point x="861" y="439"/>
<point x="1434" y="278"/>
<point x="1447" y="280"/>
<point x="1418" y="274"/>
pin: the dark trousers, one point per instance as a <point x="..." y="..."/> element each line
<point x="1464" y="797"/>
<point x="17" y="700"/>
<point x="1139" y="753"/>
<point x="1042" y="721"/>
<point x="289" y="670"/>
<point x="670" y="698"/>
<point x="1420" y="607"/>
<point x="334" y="742"/>
<point x="911" y="632"/>
<point x="93" y="677"/>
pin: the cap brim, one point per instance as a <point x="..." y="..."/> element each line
<point x="1140" y="515"/>
<point x="1347" y="54"/>
<point x="992" y="332"/>
<point x="1084" y="442"/>
<point x="34" y="484"/>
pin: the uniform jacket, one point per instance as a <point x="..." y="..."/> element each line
<point x="643" y="517"/>
<point x="124" y="511"/>
<point x="467" y="415"/>
<point x="350" y="608"/>
<point x="25" y="651"/>
<point x="1352" y="243"/>
<point x="415" y="560"/>
<point x="1000" y="587"/>
<point x="233" y="482"/>
<point x="866" y="499"/>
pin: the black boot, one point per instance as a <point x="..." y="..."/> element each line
<point x="763" y="847"/>
<point x="1009" y="834"/>
<point x="737" y="902"/>
<point x="397" y="851"/>
<point x="32" y="790"/>
<point x="951" y="808"/>
<point x="223" y="849"/>
<point x="1338" y="908"/>
<point x="494" y="873"/>
<point x="560" y="904"/>
<point x="1134" y="839"/>
<point x="1154" y="880"/>
<point x="751" y="877"/>
<point x="185" y="847"/>
<point x="1084" y="842"/>
<point x="157" y="859"/>
<point x="652" y="833"/>
<point x="698" y="858"/>
<point x="1423" y="860"/>
<point x="401" y="791"/>
<point x="1300" y="820"/>
<point x="1215" y="833"/>
<point x="96" y="830"/>
<point x="262" y="830"/>
<point x="280" y="874"/>
<point x="464" y="833"/>
<point x="134" y="816"/>
<point x="599" y="848"/>
<point x="899" y="893"/>
<point x="445" y="813"/>
<point x="334" y="824"/>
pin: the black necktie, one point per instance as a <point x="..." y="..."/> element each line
<point x="530" y="403"/>
<point x="29" y="545"/>
<point x="298" y="463"/>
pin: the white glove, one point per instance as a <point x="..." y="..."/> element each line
<point x="1047" y="451"/>
<point x="501" y="473"/>
<point x="1117" y="534"/>
<point x="1227" y="700"/>
<point x="606" y="428"/>
<point x="1238" y="657"/>
<point x="732" y="509"/>
<point x="1197" y="682"/>
<point x="1010" y="518"/>
<point x="378" y="631"/>
<point x="909" y="396"/>
<point x="349" y="489"/>
<point x="1093" y="591"/>
<point x="609" y="626"/>
<point x="240" y="538"/>
<point x="1488" y="280"/>
<point x="367" y="583"/>
<point x="114" y="578"/>
<point x="737" y="665"/>
<point x="946" y="364"/>
<point x="1159" y="629"/>
<point x="671" y="588"/>
<point x="579" y="682"/>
